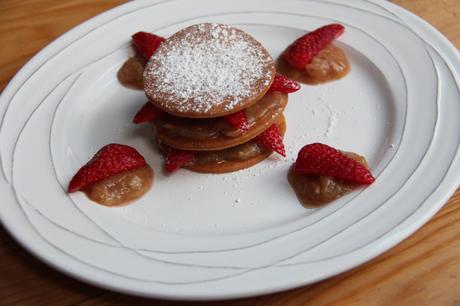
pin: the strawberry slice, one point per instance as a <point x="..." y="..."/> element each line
<point x="147" y="43"/>
<point x="272" y="139"/>
<point x="283" y="84"/>
<point x="176" y="159"/>
<point x="109" y="160"/>
<point x="301" y="52"/>
<point x="321" y="159"/>
<point x="238" y="120"/>
<point x="148" y="113"/>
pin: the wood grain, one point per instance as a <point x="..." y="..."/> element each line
<point x="422" y="270"/>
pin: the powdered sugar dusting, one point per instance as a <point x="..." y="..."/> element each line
<point x="207" y="66"/>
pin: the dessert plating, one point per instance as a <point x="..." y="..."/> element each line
<point x="211" y="98"/>
<point x="216" y="105"/>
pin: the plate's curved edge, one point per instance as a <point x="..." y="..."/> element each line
<point x="162" y="2"/>
<point x="60" y="43"/>
<point x="269" y="239"/>
<point x="409" y="231"/>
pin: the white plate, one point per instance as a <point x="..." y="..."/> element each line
<point x="198" y="236"/>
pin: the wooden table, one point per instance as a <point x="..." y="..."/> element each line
<point x="422" y="270"/>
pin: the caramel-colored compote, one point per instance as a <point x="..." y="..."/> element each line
<point x="131" y="73"/>
<point x="329" y="65"/>
<point x="239" y="153"/>
<point x="122" y="188"/>
<point x="317" y="190"/>
<point x="230" y="159"/>
<point x="217" y="133"/>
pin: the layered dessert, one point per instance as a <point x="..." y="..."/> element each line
<point x="215" y="100"/>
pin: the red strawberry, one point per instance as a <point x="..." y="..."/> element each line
<point x="283" y="84"/>
<point x="148" y="113"/>
<point x="321" y="159"/>
<point x="271" y="138"/>
<point x="146" y="43"/>
<point x="301" y="52"/>
<point x="238" y="120"/>
<point x="109" y="160"/>
<point x="176" y="159"/>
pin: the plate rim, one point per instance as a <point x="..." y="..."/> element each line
<point x="24" y="240"/>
